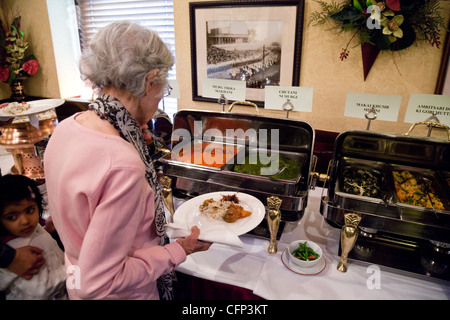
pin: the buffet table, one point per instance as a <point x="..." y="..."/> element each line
<point x="253" y="268"/>
<point x="264" y="275"/>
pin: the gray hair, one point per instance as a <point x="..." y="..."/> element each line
<point x="122" y="55"/>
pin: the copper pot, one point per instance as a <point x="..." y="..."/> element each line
<point x="19" y="139"/>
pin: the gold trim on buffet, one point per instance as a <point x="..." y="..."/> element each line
<point x="349" y="234"/>
<point x="273" y="221"/>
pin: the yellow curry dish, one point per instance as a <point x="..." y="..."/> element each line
<point x="416" y="191"/>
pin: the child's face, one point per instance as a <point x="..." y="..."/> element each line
<point x="20" y="218"/>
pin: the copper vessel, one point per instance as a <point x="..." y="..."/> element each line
<point x="19" y="138"/>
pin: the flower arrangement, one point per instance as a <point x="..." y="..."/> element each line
<point x="383" y="24"/>
<point x="13" y="62"/>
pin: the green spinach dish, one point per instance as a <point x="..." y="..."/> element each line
<point x="288" y="169"/>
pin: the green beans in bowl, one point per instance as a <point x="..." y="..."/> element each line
<point x="304" y="253"/>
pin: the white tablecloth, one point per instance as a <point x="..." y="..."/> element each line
<point x="252" y="267"/>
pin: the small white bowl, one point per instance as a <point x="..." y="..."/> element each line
<point x="303" y="263"/>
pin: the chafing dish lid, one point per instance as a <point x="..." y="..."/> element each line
<point x="294" y="135"/>
<point x="417" y="151"/>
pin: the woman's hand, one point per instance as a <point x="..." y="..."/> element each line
<point x="191" y="244"/>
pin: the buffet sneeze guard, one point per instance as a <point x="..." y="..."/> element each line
<point x="284" y="147"/>
<point x="369" y="175"/>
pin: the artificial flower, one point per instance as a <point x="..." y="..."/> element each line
<point x="31" y="66"/>
<point x="398" y="23"/>
<point x="382" y="25"/>
<point x="13" y="58"/>
<point x="392" y="27"/>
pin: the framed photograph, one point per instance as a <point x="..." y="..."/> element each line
<point x="443" y="81"/>
<point x="255" y="41"/>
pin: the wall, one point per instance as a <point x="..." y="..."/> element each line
<point x="36" y="27"/>
<point x="413" y="70"/>
<point x="54" y="43"/>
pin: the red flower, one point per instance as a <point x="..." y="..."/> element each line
<point x="31" y="66"/>
<point x="394" y="4"/>
<point x="4" y="73"/>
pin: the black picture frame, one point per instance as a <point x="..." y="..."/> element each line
<point x="290" y="19"/>
<point x="442" y="84"/>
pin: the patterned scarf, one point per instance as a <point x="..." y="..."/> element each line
<point x="107" y="107"/>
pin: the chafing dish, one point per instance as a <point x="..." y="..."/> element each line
<point x="394" y="230"/>
<point x="246" y="135"/>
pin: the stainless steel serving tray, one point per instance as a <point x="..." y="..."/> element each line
<point x="293" y="139"/>
<point x="195" y="169"/>
<point x="264" y="183"/>
<point x="431" y="178"/>
<point x="267" y="183"/>
<point x="384" y="152"/>
<point x="376" y="168"/>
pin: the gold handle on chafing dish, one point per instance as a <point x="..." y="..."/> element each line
<point x="431" y="125"/>
<point x="273" y="221"/>
<point x="349" y="234"/>
<point x="245" y="103"/>
<point x="166" y="192"/>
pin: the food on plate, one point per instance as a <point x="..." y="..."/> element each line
<point x="41" y="116"/>
<point x="226" y="209"/>
<point x="208" y="154"/>
<point x="234" y="213"/>
<point x="305" y="253"/>
<point x="15" y="108"/>
<point x="232" y="198"/>
<point x="416" y="190"/>
<point x="362" y="182"/>
<point x="290" y="168"/>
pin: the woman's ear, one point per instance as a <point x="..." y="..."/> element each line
<point x="148" y="84"/>
<point x="148" y="81"/>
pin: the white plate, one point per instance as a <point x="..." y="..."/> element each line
<point x="189" y="211"/>
<point x="316" y="269"/>
<point x="36" y="106"/>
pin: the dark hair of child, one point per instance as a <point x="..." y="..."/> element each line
<point x="14" y="188"/>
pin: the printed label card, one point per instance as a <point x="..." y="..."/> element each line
<point x="300" y="98"/>
<point x="231" y="89"/>
<point x="175" y="89"/>
<point x="423" y="106"/>
<point x="386" y="107"/>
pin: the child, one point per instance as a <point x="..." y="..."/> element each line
<point x="20" y="212"/>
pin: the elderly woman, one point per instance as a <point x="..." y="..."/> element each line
<point x="102" y="187"/>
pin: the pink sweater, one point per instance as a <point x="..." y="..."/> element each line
<point x="103" y="209"/>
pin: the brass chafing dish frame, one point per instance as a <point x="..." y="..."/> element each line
<point x="192" y="179"/>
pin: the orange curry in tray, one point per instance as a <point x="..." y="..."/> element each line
<point x="210" y="154"/>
